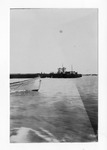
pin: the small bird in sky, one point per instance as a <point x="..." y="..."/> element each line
<point x="60" y="31"/>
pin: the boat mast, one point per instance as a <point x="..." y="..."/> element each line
<point x="71" y="68"/>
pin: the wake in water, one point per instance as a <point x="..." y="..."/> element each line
<point x="28" y="135"/>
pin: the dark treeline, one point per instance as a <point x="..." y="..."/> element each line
<point x="45" y="75"/>
<point x="49" y="75"/>
<point x="42" y="75"/>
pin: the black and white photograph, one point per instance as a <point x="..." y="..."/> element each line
<point x="53" y="75"/>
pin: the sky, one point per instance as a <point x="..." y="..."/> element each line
<point x="42" y="40"/>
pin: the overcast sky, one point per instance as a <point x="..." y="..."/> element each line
<point x="41" y="40"/>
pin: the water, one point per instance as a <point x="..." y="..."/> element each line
<point x="64" y="110"/>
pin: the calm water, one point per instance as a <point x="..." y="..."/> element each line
<point x="64" y="110"/>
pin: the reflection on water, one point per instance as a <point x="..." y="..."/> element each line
<point x="64" y="110"/>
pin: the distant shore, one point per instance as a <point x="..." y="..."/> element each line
<point x="89" y="74"/>
<point x="42" y="75"/>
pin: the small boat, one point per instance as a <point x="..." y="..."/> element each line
<point x="25" y="85"/>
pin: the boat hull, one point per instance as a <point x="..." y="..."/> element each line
<point x="25" y="85"/>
